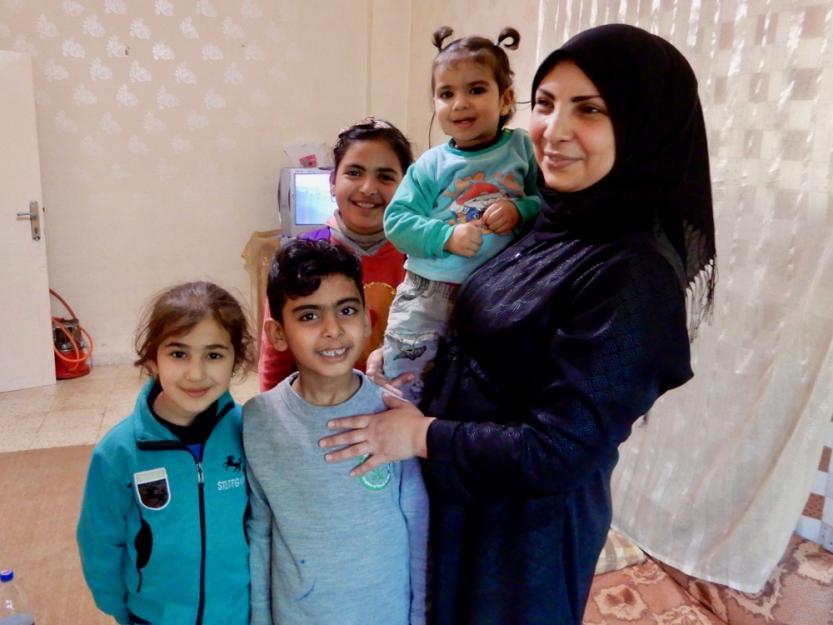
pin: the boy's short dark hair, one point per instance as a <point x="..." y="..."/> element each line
<point x="299" y="266"/>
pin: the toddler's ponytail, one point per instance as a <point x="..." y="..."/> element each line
<point x="509" y="33"/>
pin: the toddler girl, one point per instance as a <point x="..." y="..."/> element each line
<point x="460" y="203"/>
<point x="161" y="530"/>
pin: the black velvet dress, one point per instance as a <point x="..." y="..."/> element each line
<point x="558" y="345"/>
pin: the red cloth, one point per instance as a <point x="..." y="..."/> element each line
<point x="381" y="274"/>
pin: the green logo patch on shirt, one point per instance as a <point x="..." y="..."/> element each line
<point x="378" y="478"/>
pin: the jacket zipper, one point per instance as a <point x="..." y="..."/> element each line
<point x="169" y="445"/>
<point x="201" y="488"/>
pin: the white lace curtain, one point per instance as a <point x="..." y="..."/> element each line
<point x="715" y="481"/>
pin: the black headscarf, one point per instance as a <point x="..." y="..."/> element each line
<point x="660" y="178"/>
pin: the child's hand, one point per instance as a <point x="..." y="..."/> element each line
<point x="374" y="370"/>
<point x="501" y="217"/>
<point x="465" y="239"/>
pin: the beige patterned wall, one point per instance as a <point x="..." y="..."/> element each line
<point x="161" y="125"/>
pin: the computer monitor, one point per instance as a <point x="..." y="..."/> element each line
<point x="304" y="199"/>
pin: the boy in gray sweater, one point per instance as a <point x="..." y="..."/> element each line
<point x="325" y="547"/>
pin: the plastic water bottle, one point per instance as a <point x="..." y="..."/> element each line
<point x="14" y="609"/>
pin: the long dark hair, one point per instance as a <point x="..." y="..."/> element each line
<point x="374" y="129"/>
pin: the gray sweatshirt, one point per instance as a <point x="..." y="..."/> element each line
<point x="326" y="547"/>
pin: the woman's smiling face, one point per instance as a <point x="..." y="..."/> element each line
<point x="571" y="130"/>
<point x="364" y="183"/>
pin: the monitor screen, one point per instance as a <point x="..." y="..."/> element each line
<point x="304" y="200"/>
<point x="313" y="202"/>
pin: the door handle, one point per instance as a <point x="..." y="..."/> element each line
<point x="33" y="215"/>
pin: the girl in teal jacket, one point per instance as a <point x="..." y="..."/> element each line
<point x="161" y="533"/>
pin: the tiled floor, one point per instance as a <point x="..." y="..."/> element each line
<point x="79" y="411"/>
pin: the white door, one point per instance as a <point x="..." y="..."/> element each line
<point x="25" y="322"/>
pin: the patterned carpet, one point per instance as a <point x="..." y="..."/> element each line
<point x="41" y="495"/>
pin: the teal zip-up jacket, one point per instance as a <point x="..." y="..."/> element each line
<point x="447" y="186"/>
<point x="161" y="535"/>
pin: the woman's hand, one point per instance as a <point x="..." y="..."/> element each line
<point x="374" y="369"/>
<point x="398" y="433"/>
<point x="501" y="217"/>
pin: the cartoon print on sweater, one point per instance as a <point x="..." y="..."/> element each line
<point x="473" y="195"/>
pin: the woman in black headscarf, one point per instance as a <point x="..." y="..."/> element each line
<point x="563" y="340"/>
